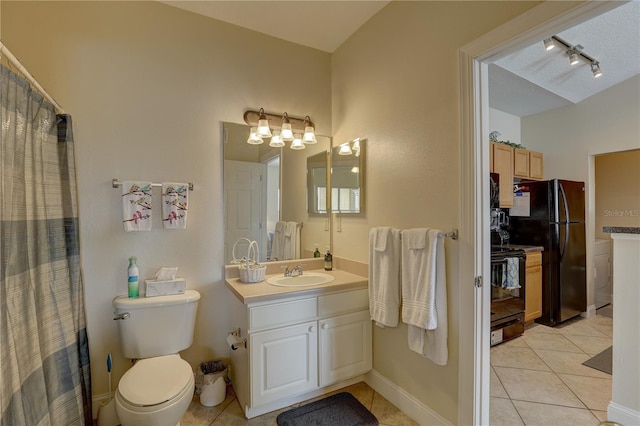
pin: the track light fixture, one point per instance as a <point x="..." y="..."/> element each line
<point x="575" y="54"/>
<point x="281" y="129"/>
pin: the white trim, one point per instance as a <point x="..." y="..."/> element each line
<point x="534" y="25"/>
<point x="590" y="312"/>
<point x="402" y="399"/>
<point x="623" y="415"/>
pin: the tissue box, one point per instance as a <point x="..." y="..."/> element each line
<point x="164" y="288"/>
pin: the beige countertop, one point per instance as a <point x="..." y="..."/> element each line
<point x="263" y="291"/>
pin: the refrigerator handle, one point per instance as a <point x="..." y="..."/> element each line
<point x="566" y="204"/>
<point x="566" y="220"/>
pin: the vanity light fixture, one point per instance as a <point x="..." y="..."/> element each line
<point x="287" y="132"/>
<point x="345" y="149"/>
<point x="276" y="140"/>
<point x="575" y="54"/>
<point x="309" y="136"/>
<point x="263" y="125"/>
<point x="297" y="142"/>
<point x="254" y="139"/>
<point x="280" y="128"/>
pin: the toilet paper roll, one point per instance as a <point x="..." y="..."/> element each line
<point x="234" y="341"/>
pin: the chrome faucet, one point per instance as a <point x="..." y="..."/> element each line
<point x="294" y="272"/>
<point x="297" y="270"/>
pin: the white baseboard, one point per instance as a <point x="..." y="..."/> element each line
<point x="408" y="404"/>
<point x="591" y="312"/>
<point x="623" y="415"/>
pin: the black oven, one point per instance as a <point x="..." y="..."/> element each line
<point x="507" y="293"/>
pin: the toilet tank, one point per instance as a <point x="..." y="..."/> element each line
<point x="156" y="326"/>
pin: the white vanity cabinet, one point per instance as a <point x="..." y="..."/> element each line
<point x="297" y="347"/>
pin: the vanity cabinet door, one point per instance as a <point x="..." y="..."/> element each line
<point x="345" y="347"/>
<point x="284" y="362"/>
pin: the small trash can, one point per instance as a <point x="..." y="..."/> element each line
<point x="214" y="383"/>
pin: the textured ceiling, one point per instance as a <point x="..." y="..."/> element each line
<point x="527" y="82"/>
<point x="534" y="80"/>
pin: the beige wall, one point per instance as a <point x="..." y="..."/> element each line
<point x="395" y="83"/>
<point x="572" y="136"/>
<point x="148" y="86"/>
<point x="617" y="196"/>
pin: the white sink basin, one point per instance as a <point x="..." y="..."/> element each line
<point x="306" y="279"/>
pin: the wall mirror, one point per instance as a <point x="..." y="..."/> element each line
<point x="264" y="185"/>
<point x="347" y="178"/>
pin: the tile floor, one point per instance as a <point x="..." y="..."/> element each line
<point x="536" y="379"/>
<point x="229" y="413"/>
<point x="539" y="379"/>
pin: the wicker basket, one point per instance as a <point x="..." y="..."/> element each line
<point x="251" y="271"/>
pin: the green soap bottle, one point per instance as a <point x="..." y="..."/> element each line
<point x="328" y="261"/>
<point x="132" y="271"/>
<point x="317" y="252"/>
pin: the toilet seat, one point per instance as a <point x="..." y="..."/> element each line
<point x="155" y="381"/>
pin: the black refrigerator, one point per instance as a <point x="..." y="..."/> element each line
<point x="555" y="221"/>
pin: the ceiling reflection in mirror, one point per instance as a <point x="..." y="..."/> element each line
<point x="265" y="189"/>
<point x="347" y="178"/>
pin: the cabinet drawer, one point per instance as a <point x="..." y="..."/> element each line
<point x="283" y="313"/>
<point x="340" y="303"/>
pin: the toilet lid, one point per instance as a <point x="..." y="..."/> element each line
<point x="153" y="381"/>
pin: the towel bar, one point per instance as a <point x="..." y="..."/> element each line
<point x="453" y="234"/>
<point x="117" y="184"/>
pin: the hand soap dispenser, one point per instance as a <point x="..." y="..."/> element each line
<point x="328" y="261"/>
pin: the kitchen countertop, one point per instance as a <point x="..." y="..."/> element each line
<point x="263" y="291"/>
<point x="621" y="229"/>
<point x="525" y="248"/>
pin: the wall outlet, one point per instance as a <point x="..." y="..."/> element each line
<point x="496" y="336"/>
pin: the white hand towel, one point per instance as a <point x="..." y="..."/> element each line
<point x="174" y="205"/>
<point x="433" y="344"/>
<point x="290" y="245"/>
<point x="136" y="206"/>
<point x="418" y="277"/>
<point x="384" y="271"/>
<point x="277" y="246"/>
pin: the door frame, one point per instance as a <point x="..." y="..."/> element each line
<point x="536" y="24"/>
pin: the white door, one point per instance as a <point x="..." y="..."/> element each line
<point x="284" y="362"/>
<point x="243" y="206"/>
<point x="345" y="347"/>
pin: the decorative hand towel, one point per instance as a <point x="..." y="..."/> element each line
<point x="511" y="274"/>
<point x="291" y="238"/>
<point x="426" y="295"/>
<point x="384" y="274"/>
<point x="174" y="205"/>
<point x="136" y="206"/>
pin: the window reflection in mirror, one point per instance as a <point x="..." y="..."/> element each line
<point x="317" y="184"/>
<point x="347" y="177"/>
<point x="264" y="185"/>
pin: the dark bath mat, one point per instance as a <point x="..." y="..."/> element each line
<point x="341" y="409"/>
<point x="603" y="361"/>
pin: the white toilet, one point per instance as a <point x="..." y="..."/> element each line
<point x="159" y="387"/>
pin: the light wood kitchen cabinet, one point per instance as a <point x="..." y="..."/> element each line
<point x="502" y="163"/>
<point x="533" y="295"/>
<point x="528" y="164"/>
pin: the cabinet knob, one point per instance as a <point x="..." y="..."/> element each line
<point x="325" y="326"/>
<point x="312" y="328"/>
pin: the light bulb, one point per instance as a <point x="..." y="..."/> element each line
<point x="297" y="142"/>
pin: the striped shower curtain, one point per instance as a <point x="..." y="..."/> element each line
<point x="44" y="352"/>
